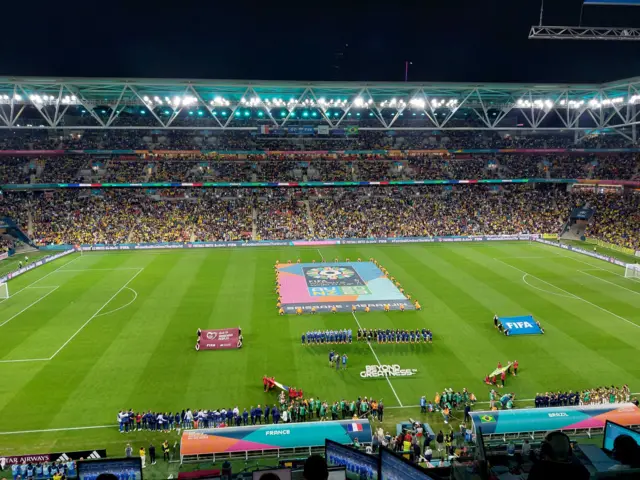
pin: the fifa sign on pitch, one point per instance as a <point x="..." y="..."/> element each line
<point x="375" y="371"/>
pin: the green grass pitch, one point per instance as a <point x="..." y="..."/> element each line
<point x="86" y="336"/>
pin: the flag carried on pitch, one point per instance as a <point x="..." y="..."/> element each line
<point x="354" y="427"/>
<point x="498" y="371"/>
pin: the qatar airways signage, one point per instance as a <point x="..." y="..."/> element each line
<point x="219" y="339"/>
<point x="55" y="457"/>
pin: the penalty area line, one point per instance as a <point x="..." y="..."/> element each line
<point x="378" y="360"/>
<point x="572" y="295"/>
<point x="96" y="314"/>
<point x="321" y="256"/>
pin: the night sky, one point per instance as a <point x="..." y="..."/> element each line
<point x="446" y="40"/>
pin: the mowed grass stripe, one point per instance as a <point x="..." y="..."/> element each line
<point x="65" y="376"/>
<point x="530" y="351"/>
<point x="582" y="325"/>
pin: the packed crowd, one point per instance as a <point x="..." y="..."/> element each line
<point x="59" y="470"/>
<point x="593" y="396"/>
<point x="91" y="216"/>
<point x="248" y="140"/>
<point x="288" y="168"/>
<point x="285" y="410"/>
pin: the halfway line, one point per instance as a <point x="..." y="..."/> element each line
<point x="378" y="360"/>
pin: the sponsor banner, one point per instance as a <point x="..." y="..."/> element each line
<point x="637" y="253"/>
<point x="617" y="248"/>
<point x="273" y="437"/>
<point x="3" y="256"/>
<point x="301" y="130"/>
<point x="33" y="265"/>
<point x="54" y="457"/>
<point x="571" y="248"/>
<point x="50" y="186"/>
<point x="323" y="129"/>
<point x="555" y="418"/>
<point x="308" y="243"/>
<point x="550" y="236"/>
<point x="377" y="371"/>
<point x="223" y="339"/>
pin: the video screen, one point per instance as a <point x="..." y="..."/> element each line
<point x="358" y="465"/>
<point x="396" y="468"/>
<point x="613" y="430"/>
<point x="122" y="468"/>
<point x="280" y="474"/>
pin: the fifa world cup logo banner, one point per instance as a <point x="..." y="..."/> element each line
<point x="223" y="339"/>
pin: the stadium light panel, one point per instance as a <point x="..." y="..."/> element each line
<point x="283" y="114"/>
<point x="224" y="114"/>
<point x="166" y="112"/>
<point x="305" y="114"/>
<point x="314" y="114"/>
<point x="142" y="112"/>
<point x="200" y="112"/>
<point x="190" y="112"/>
<point x="247" y="113"/>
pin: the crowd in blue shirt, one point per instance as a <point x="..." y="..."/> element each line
<point x="43" y="470"/>
<point x="327" y="336"/>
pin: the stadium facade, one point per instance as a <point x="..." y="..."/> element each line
<point x="87" y="103"/>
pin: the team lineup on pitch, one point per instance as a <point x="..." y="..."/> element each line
<point x="100" y="315"/>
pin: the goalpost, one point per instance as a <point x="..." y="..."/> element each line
<point x="632" y="270"/>
<point x="4" y="290"/>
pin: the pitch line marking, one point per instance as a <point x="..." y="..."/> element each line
<point x="321" y="256"/>
<point x="99" y="269"/>
<point x="135" y="295"/>
<point x="28" y="307"/>
<point x="96" y="314"/>
<point x="25" y="360"/>
<point x="42" y="278"/>
<point x="524" y="279"/>
<point x="378" y="360"/>
<point x="572" y="295"/>
<point x="612" y="283"/>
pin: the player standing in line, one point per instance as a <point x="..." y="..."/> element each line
<point x="344" y="361"/>
<point x="515" y="368"/>
<point x="303" y="339"/>
<point x="495" y="321"/>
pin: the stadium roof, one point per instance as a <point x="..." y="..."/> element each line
<point x="242" y="104"/>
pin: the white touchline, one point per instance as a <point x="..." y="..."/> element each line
<point x="28" y="307"/>
<point x="321" y="256"/>
<point x="43" y="277"/>
<point x="612" y="283"/>
<point x="378" y="360"/>
<point x="572" y="294"/>
<point x="96" y="314"/>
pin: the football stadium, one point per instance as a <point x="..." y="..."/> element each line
<point x="413" y="280"/>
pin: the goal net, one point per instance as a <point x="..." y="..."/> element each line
<point x="4" y="290"/>
<point x="632" y="270"/>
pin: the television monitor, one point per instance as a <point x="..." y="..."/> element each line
<point x="612" y="431"/>
<point x="280" y="473"/>
<point x="394" y="467"/>
<point x="358" y="465"/>
<point x="122" y="468"/>
<point x="337" y="474"/>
